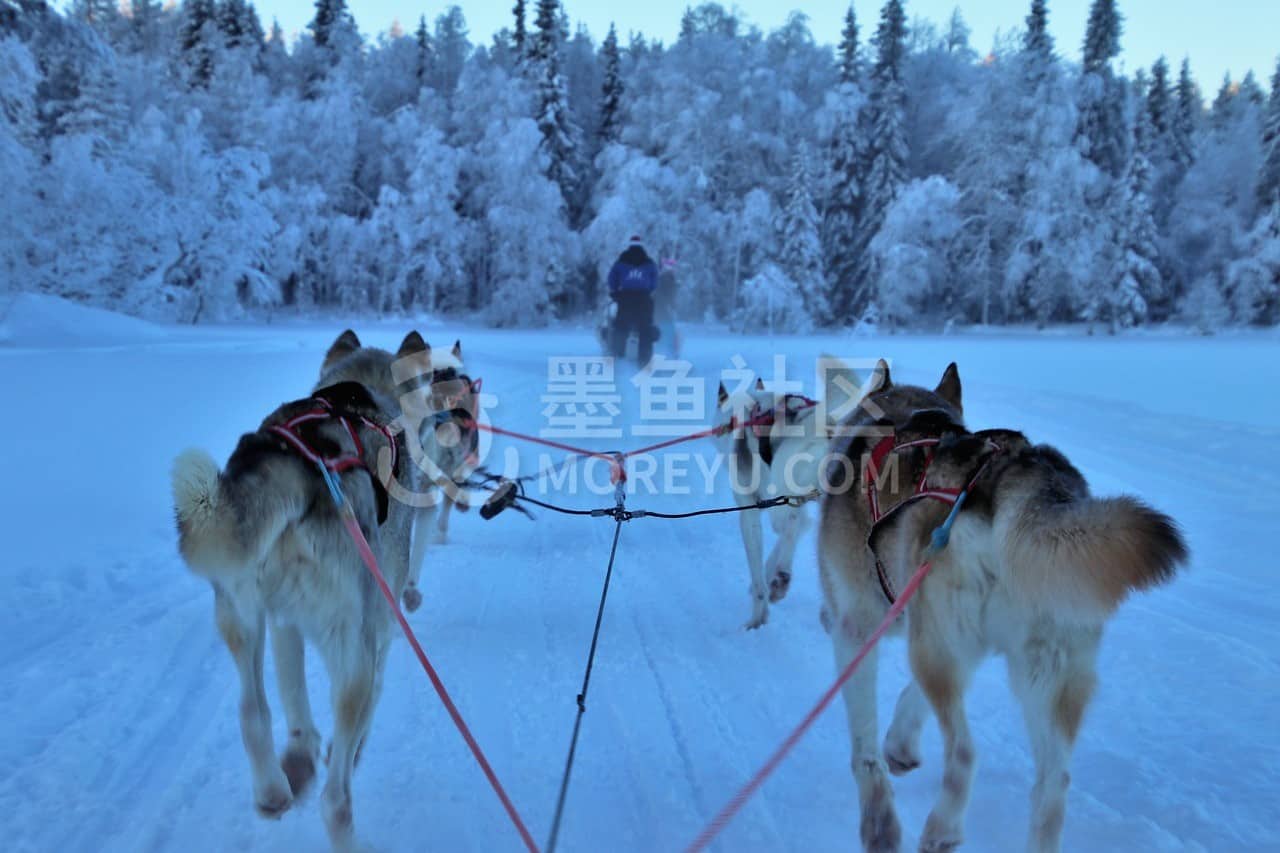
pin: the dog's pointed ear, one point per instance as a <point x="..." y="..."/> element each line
<point x="949" y="386"/>
<point x="841" y="388"/>
<point x="880" y="379"/>
<point x="457" y="349"/>
<point x="412" y="343"/>
<point x="721" y="395"/>
<point x="346" y="344"/>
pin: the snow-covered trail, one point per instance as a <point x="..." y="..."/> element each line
<point x="121" y="702"/>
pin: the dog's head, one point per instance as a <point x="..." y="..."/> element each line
<point x="735" y="409"/>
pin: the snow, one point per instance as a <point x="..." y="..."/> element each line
<point x="121" y="703"/>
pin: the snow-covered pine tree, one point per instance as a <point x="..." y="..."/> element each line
<point x="1159" y="106"/>
<point x="423" y="68"/>
<point x="1269" y="177"/>
<point x="1220" y="113"/>
<point x="612" y="90"/>
<point x="199" y="41"/>
<point x="1185" y="120"/>
<point x="452" y="47"/>
<point x="886" y="168"/>
<point x="846" y="164"/>
<point x="1254" y="280"/>
<point x="519" y="32"/>
<point x="1136" y="279"/>
<point x="559" y="135"/>
<point x="144" y="24"/>
<point x="1102" y="129"/>
<point x="801" y="256"/>
<point x="330" y="16"/>
<point x="231" y="16"/>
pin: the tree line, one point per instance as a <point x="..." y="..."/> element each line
<point x="187" y="164"/>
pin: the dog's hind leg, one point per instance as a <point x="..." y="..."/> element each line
<point x="244" y="634"/>
<point x="753" y="541"/>
<point x="943" y="670"/>
<point x="303" y="749"/>
<point x="1054" y="694"/>
<point x="902" y="743"/>
<point x="879" y="827"/>
<point x="352" y="661"/>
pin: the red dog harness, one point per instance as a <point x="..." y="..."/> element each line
<point x="923" y="491"/>
<point x="290" y="432"/>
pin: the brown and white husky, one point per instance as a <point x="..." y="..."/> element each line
<point x="1034" y="568"/>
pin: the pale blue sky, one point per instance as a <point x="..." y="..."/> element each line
<point x="1222" y="36"/>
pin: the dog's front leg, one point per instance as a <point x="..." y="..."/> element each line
<point x="902" y="743"/>
<point x="422" y="517"/>
<point x="442" y="519"/>
<point x="752" y="540"/>
<point x="789" y="523"/>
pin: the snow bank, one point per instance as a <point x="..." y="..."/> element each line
<point x="37" y="320"/>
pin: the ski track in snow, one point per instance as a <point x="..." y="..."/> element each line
<point x="122" y="702"/>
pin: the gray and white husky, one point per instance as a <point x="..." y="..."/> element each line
<point x="780" y="457"/>
<point x="1034" y="568"/>
<point x="439" y="409"/>
<point x="266" y="535"/>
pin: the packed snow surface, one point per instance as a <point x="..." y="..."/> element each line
<point x="120" y="702"/>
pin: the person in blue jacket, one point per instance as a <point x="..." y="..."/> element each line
<point x="631" y="284"/>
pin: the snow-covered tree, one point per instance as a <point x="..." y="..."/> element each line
<point x="913" y="253"/>
<point x="801" y="255"/>
<point x="559" y="135"/>
<point x="1269" y="176"/>
<point x="519" y="33"/>
<point x="1102" y="128"/>
<point x="772" y="302"/>
<point x="200" y="40"/>
<point x="451" y="47"/>
<point x="611" y="90"/>
<point x="1254" y="280"/>
<point x="424" y="67"/>
<point x="886" y="168"/>
<point x="1135" y="279"/>
<point x="1186" y="119"/>
<point x="846" y="170"/>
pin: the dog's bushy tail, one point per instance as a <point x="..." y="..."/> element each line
<point x="226" y="526"/>
<point x="1085" y="556"/>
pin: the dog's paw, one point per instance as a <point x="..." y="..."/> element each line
<point x="412" y="598"/>
<point x="299" y="766"/>
<point x="940" y="835"/>
<point x="759" y="609"/>
<point x="779" y="584"/>
<point x="274" y="799"/>
<point x="901" y="755"/>
<point x="881" y="832"/>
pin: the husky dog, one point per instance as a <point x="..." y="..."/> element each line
<point x="780" y="456"/>
<point x="1034" y="567"/>
<point x="438" y="408"/>
<point x="266" y="535"/>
